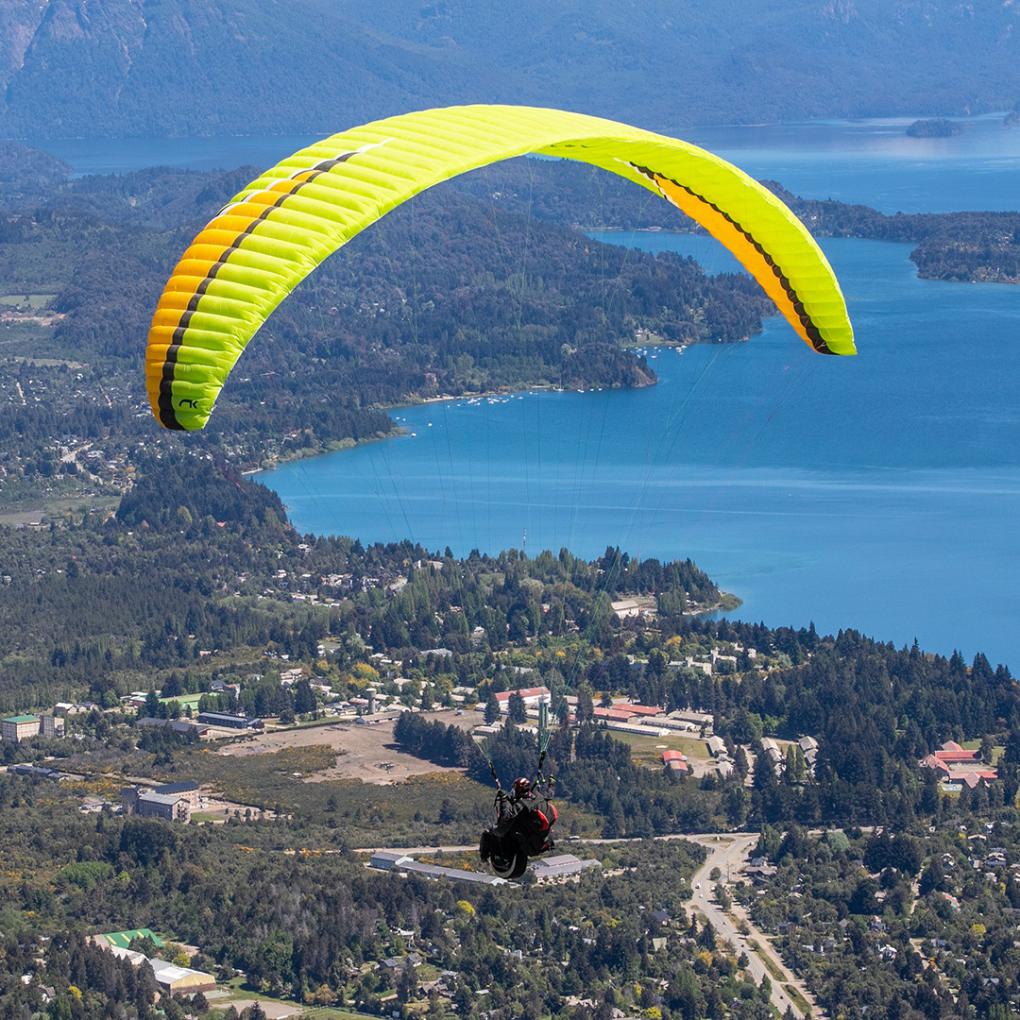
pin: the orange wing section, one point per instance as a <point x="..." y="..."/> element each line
<point x="751" y="255"/>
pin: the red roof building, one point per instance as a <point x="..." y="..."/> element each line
<point x="961" y="755"/>
<point x="532" y="696"/>
<point x="973" y="779"/>
<point x="613" y="714"/>
<point x="931" y="762"/>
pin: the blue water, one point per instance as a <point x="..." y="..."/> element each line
<point x="880" y="492"/>
<point x="875" y="163"/>
<point x="870" y="161"/>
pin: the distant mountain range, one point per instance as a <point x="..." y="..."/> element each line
<point x="184" y="67"/>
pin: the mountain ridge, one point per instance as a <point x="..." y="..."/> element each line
<point x="118" y="68"/>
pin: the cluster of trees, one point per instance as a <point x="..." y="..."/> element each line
<point x="875" y="710"/>
<point x="306" y="927"/>
<point x="906" y="924"/>
<point x="934" y="127"/>
<point x="438" y="298"/>
<point x="591" y="769"/>
<point x="27" y="175"/>
<point x="85" y="605"/>
<point x="444" y="745"/>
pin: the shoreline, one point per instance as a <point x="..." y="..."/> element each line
<point x="727" y="601"/>
<point x="339" y="445"/>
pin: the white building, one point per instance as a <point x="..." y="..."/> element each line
<point x="546" y="869"/>
<point x="532" y="696"/>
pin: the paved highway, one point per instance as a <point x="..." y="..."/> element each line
<point x="728" y="852"/>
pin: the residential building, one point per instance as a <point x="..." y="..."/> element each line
<point x="158" y="805"/>
<point x="51" y="726"/>
<point x="640" y="608"/>
<point x="189" y="791"/>
<point x="172" y="980"/>
<point x="642" y="710"/>
<point x="958" y="767"/>
<point x="400" y="962"/>
<point x="613" y="714"/>
<point x="16" y="728"/>
<point x="138" y="800"/>
<point x="176" y="725"/>
<point x="643" y="727"/>
<point x="387" y="860"/>
<point x="676" y="763"/>
<point x="669" y="723"/>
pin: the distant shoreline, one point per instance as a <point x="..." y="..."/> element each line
<point x="339" y="445"/>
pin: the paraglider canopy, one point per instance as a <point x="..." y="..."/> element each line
<point x="279" y="228"/>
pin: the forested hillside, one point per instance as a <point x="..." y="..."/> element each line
<point x="451" y="294"/>
<point x="147" y="67"/>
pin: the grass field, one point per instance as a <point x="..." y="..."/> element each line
<point x="26" y="300"/>
<point x="650" y="748"/>
<point x="997" y="751"/>
<point x="183" y="700"/>
<point x="239" y="996"/>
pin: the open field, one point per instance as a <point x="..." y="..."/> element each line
<point x="409" y="813"/>
<point x="30" y="510"/>
<point x="650" y="748"/>
<point x="236" y="994"/>
<point x="366" y="753"/>
<point x="26" y="300"/>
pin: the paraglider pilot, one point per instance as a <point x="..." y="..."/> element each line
<point x="524" y="821"/>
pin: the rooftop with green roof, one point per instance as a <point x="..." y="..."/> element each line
<point x="20" y="718"/>
<point x="123" y="939"/>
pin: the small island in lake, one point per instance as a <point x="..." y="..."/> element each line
<point x="936" y="127"/>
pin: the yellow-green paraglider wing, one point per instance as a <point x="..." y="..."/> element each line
<point x="276" y="231"/>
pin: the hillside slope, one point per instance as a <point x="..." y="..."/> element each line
<point x="136" y="67"/>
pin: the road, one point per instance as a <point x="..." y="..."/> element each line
<point x="728" y="852"/>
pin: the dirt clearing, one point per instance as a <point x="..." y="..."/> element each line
<point x="364" y="751"/>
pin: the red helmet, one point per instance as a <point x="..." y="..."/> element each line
<point x="522" y="787"/>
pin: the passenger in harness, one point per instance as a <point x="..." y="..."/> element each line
<point x="524" y="821"/>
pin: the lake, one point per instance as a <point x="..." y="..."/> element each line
<point x="871" y="161"/>
<point x="881" y="492"/>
